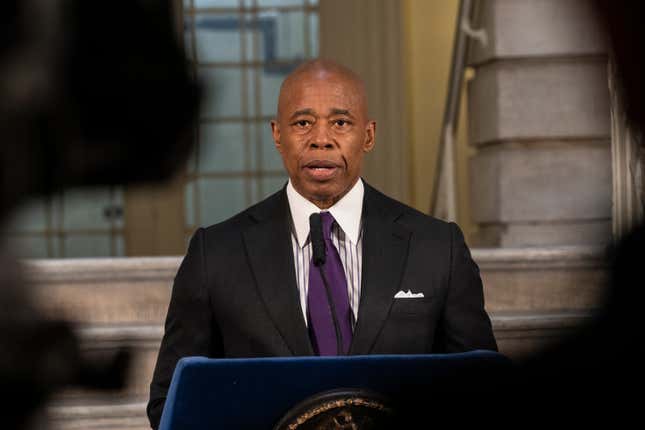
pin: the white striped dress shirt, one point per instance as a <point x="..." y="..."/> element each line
<point x="346" y="235"/>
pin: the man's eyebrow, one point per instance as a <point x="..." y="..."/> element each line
<point x="337" y="111"/>
<point x="302" y="112"/>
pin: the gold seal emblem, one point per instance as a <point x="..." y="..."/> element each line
<point x="341" y="409"/>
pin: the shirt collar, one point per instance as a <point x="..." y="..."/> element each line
<point x="347" y="212"/>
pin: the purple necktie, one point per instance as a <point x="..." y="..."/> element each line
<point x="321" y="323"/>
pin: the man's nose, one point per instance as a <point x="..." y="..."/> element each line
<point x="321" y="137"/>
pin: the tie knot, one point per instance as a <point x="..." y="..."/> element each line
<point x="327" y="222"/>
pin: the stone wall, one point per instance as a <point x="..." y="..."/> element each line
<point x="535" y="297"/>
<point x="539" y="117"/>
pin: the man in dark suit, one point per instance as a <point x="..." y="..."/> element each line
<point x="395" y="281"/>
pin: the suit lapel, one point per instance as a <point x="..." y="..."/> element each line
<point x="385" y="250"/>
<point x="270" y="255"/>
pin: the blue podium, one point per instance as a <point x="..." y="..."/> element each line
<point x="255" y="393"/>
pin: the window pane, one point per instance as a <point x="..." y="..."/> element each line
<point x="118" y="218"/>
<point x="220" y="199"/>
<point x="223" y="92"/>
<point x="290" y="36"/>
<point x="120" y="246"/>
<point x="271" y="159"/>
<point x="191" y="164"/>
<point x="216" y="3"/>
<point x="188" y="41"/>
<point x="271" y="185"/>
<point x="55" y="248"/>
<point x="264" y="3"/>
<point x="217" y="38"/>
<point x="222" y="148"/>
<point x="28" y="246"/>
<point x="270" y="84"/>
<point x="78" y="246"/>
<point x="30" y="218"/>
<point x="313" y="33"/>
<point x="189" y="204"/>
<point x="86" y="209"/>
<point x="281" y="36"/>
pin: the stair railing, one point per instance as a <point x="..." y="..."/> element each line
<point x="443" y="202"/>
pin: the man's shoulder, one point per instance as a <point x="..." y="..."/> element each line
<point x="249" y="216"/>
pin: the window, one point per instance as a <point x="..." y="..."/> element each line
<point x="76" y="223"/>
<point x="241" y="50"/>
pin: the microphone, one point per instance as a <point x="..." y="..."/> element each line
<point x="319" y="257"/>
<point x="317" y="241"/>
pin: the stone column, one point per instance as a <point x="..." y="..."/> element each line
<point x="540" y="120"/>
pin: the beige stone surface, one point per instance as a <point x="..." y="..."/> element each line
<point x="529" y="293"/>
<point x="517" y="333"/>
<point x="106" y="302"/>
<point x="539" y="99"/>
<point x="535" y="290"/>
<point x="542" y="279"/>
<point x="104" y="290"/>
<point x="523" y="335"/>
<point x="539" y="118"/>
<point x="143" y="342"/>
<point x="542" y="194"/>
<point x="521" y="28"/>
<point x="109" y="415"/>
<point x="514" y="279"/>
<point x="523" y="234"/>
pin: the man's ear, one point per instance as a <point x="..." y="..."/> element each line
<point x="275" y="131"/>
<point x="370" y="136"/>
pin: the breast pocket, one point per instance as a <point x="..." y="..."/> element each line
<point x="409" y="327"/>
<point x="418" y="306"/>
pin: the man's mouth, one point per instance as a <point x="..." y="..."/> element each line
<point x="321" y="169"/>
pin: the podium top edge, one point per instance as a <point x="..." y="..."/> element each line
<point x="477" y="354"/>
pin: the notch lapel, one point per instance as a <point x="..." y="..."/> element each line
<point x="385" y="251"/>
<point x="270" y="255"/>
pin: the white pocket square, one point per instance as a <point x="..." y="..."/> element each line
<point x="408" y="295"/>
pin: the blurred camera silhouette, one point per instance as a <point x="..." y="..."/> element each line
<point x="91" y="93"/>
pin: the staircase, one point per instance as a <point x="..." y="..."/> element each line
<point x="535" y="297"/>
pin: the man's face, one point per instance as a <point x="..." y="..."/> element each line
<point x="322" y="133"/>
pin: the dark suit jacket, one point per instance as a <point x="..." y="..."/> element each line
<point x="235" y="294"/>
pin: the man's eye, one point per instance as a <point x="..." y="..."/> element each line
<point x="302" y="123"/>
<point x="341" y="122"/>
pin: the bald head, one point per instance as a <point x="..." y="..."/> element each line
<point x="323" y="71"/>
<point x="322" y="130"/>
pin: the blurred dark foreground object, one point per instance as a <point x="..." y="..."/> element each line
<point x="39" y="355"/>
<point x="91" y="93"/>
<point x="623" y="22"/>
